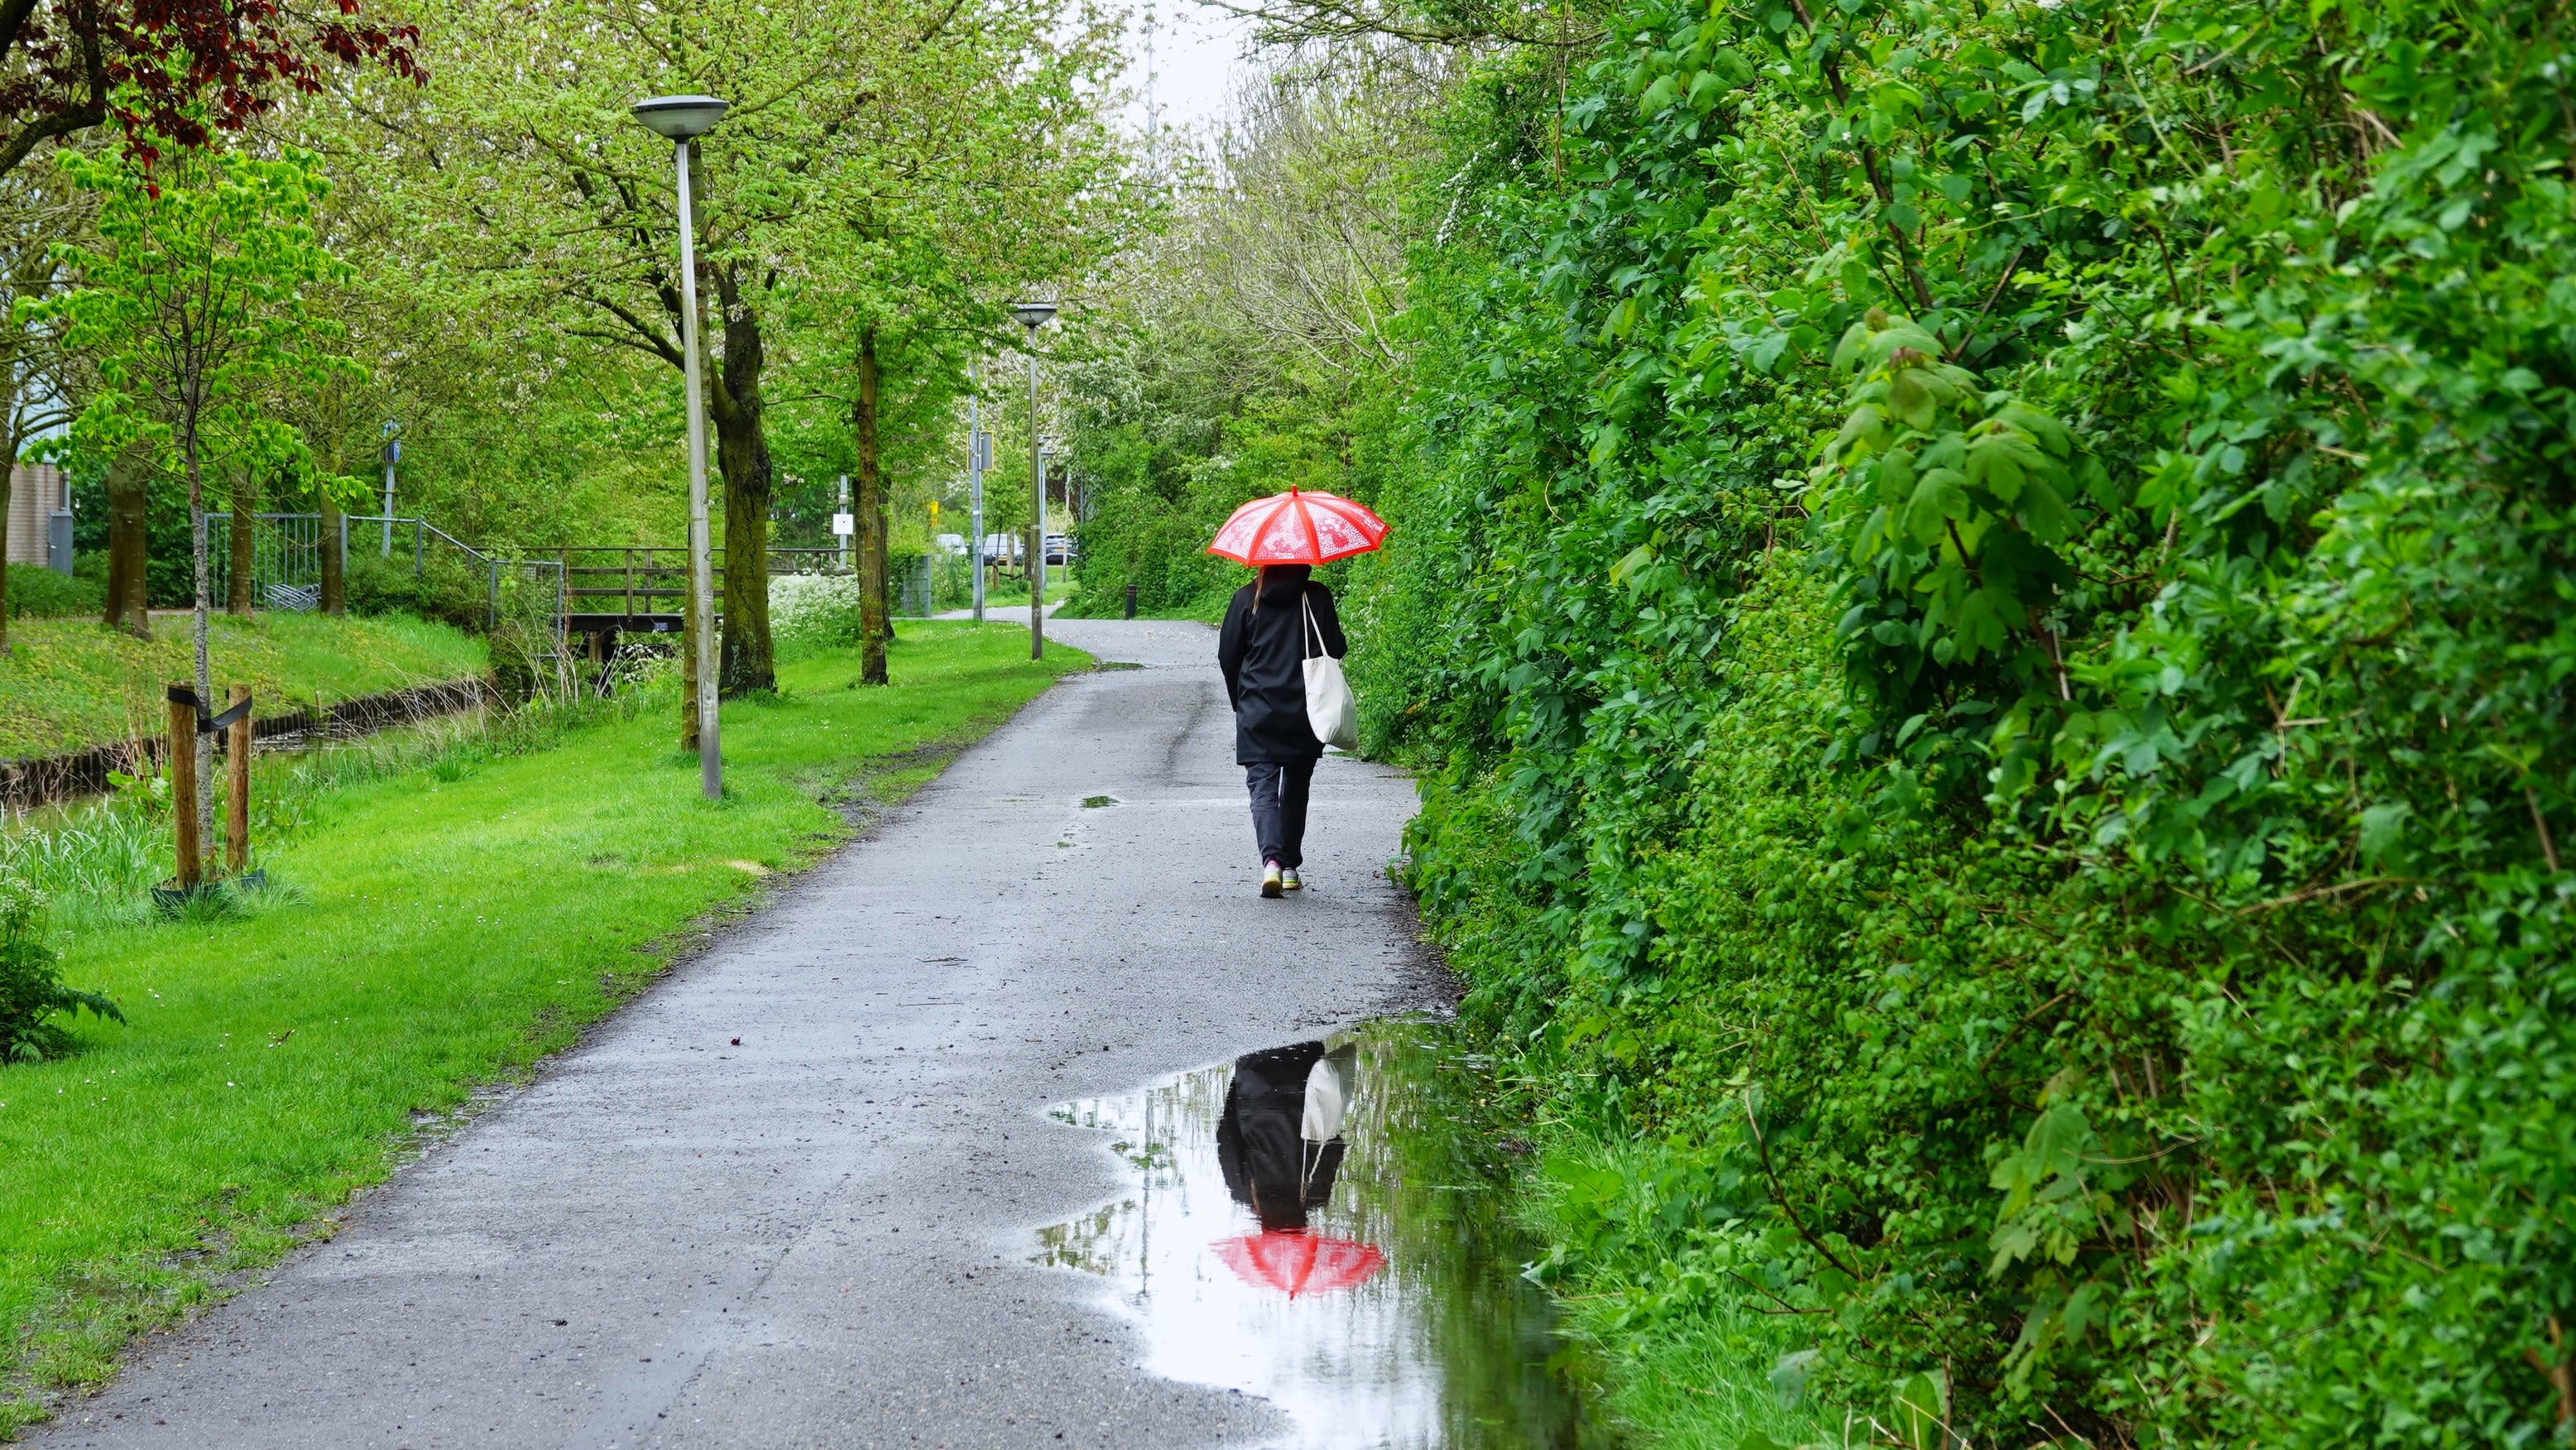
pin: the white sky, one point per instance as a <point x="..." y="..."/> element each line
<point x="1196" y="48"/>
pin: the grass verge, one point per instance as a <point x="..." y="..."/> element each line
<point x="1675" y="1364"/>
<point x="69" y="683"/>
<point x="432" y="933"/>
<point x="1016" y="591"/>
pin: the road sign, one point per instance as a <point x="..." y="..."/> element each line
<point x="845" y="524"/>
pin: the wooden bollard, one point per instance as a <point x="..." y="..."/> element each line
<point x="190" y="852"/>
<point x="237" y="798"/>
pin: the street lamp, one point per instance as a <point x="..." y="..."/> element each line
<point x="1034" y="315"/>
<point x="682" y="119"/>
<point x="979" y="457"/>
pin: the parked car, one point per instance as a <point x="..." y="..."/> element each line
<point x="1060" y="550"/>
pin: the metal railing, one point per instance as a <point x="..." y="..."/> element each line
<point x="634" y="580"/>
<point x="627" y="581"/>
<point x="286" y="560"/>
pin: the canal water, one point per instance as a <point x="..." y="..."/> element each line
<point x="1327" y="1225"/>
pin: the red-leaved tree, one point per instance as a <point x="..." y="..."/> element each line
<point x="171" y="70"/>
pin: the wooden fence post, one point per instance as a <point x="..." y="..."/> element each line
<point x="237" y="799"/>
<point x="183" y="785"/>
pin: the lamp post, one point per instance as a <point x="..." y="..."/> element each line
<point x="683" y="119"/>
<point x="979" y="456"/>
<point x="1034" y="315"/>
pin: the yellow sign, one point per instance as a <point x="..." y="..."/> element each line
<point x="934" y="513"/>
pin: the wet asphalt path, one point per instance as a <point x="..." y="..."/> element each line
<point x="821" y="1237"/>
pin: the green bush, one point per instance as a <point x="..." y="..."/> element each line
<point x="32" y="993"/>
<point x="445" y="589"/>
<point x="1983" y="603"/>
<point x="36" y="592"/>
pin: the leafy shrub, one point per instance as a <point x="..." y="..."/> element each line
<point x="36" y="592"/>
<point x="1984" y="610"/>
<point x="445" y="589"/>
<point x="32" y="993"/>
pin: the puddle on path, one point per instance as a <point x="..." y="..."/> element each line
<point x="1357" y="1268"/>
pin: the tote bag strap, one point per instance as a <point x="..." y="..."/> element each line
<point x="1311" y="628"/>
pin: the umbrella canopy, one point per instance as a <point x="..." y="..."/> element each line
<point x="1300" y="1263"/>
<point x="1298" y="528"/>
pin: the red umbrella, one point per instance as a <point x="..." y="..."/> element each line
<point x="1298" y="528"/>
<point x="1300" y="1263"/>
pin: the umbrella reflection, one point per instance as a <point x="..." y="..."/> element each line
<point x="1327" y="1227"/>
<point x="1300" y="1263"/>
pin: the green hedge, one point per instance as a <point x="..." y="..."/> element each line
<point x="445" y="589"/>
<point x="1984" y="594"/>
<point x="36" y="592"/>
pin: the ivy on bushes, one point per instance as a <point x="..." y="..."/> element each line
<point x="1985" y="601"/>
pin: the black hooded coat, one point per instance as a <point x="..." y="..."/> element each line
<point x="1262" y="650"/>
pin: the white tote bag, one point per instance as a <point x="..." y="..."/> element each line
<point x="1330" y="711"/>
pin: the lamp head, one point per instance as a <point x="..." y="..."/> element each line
<point x="681" y="118"/>
<point x="1033" y="315"/>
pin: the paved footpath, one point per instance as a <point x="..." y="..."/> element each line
<point x="822" y="1237"/>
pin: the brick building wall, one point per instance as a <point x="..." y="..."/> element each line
<point x="35" y="492"/>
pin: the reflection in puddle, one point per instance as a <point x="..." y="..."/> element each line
<point x="1326" y="1225"/>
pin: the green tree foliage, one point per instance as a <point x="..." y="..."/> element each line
<point x="925" y="235"/>
<point x="1986" y="586"/>
<point x="879" y="164"/>
<point x="191" y="304"/>
<point x="39" y="211"/>
<point x="1253" y="347"/>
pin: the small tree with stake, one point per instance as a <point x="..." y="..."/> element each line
<point x="192" y="302"/>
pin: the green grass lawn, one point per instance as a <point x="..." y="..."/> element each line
<point x="1016" y="591"/>
<point x="432" y="932"/>
<point x="68" y="683"/>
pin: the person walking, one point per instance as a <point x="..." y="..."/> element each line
<point x="1271" y="626"/>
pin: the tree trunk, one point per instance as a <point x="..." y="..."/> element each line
<point x="204" y="804"/>
<point x="129" y="499"/>
<point x="335" y="566"/>
<point x="243" y="537"/>
<point x="742" y="456"/>
<point x="870" y="522"/>
<point x="885" y="551"/>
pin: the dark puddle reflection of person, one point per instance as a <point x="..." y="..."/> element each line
<point x="1279" y="1142"/>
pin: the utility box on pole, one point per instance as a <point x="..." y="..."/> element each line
<point x="393" y="455"/>
<point x="846" y="525"/>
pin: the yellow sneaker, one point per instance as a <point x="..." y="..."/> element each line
<point x="1288" y="879"/>
<point x="1271" y="883"/>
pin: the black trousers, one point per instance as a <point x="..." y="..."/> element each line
<point x="1279" y="808"/>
